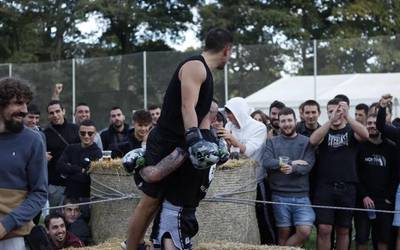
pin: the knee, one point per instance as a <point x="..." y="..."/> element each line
<point x="148" y="203"/>
<point x="304" y="232"/>
<point x="342" y="231"/>
<point x="324" y="230"/>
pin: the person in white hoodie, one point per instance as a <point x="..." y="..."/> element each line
<point x="242" y="131"/>
<point x="249" y="136"/>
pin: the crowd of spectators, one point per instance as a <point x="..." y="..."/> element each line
<point x="348" y="161"/>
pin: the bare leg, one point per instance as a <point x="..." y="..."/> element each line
<point x="382" y="246"/>
<point x="342" y="238"/>
<point x="398" y="240"/>
<point x="324" y="237"/>
<point x="169" y="244"/>
<point x="283" y="235"/>
<point x="362" y="246"/>
<point x="140" y="220"/>
<point x="301" y="235"/>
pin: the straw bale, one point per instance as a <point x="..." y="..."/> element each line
<point x="229" y="221"/>
<point x="110" y="219"/>
<point x="217" y="220"/>
<point x="114" y="244"/>
<point x="223" y="245"/>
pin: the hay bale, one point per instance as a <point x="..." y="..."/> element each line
<point x="223" y="245"/>
<point x="114" y="244"/>
<point x="110" y="219"/>
<point x="110" y="244"/>
<point x="229" y="221"/>
<point x="217" y="220"/>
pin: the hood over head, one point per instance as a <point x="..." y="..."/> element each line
<point x="240" y="109"/>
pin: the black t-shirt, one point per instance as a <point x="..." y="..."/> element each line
<point x="188" y="185"/>
<point x="337" y="157"/>
<point x="302" y="129"/>
<point x="376" y="165"/>
<point x="171" y="120"/>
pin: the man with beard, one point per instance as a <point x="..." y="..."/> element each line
<point x="336" y="176"/>
<point x="186" y="104"/>
<point x="311" y="112"/>
<point x="393" y="134"/>
<point x="376" y="165"/>
<point x="118" y="132"/>
<point x="288" y="180"/>
<point x="23" y="178"/>
<point x="60" y="238"/>
<point x="59" y="134"/>
<point x="274" y="108"/>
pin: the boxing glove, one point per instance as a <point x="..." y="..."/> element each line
<point x="202" y="154"/>
<point x="85" y="163"/>
<point x="223" y="151"/>
<point x="133" y="160"/>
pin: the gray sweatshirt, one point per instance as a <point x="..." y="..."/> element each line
<point x="295" y="184"/>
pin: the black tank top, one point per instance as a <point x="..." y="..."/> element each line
<point x="171" y="120"/>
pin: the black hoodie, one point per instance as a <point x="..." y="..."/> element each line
<point x="70" y="165"/>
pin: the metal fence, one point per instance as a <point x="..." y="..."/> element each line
<point x="134" y="81"/>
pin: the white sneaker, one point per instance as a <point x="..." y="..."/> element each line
<point x="123" y="245"/>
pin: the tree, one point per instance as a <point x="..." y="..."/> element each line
<point x="131" y="22"/>
<point x="345" y="31"/>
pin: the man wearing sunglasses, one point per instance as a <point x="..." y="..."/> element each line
<point x="75" y="161"/>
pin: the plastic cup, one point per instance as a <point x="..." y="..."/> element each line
<point x="283" y="160"/>
<point x="106" y="155"/>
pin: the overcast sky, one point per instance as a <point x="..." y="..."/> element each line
<point x="94" y="27"/>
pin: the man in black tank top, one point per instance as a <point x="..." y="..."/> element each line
<point x="186" y="104"/>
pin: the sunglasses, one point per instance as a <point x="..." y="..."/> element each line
<point x="89" y="133"/>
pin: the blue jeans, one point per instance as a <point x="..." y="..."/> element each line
<point x="290" y="215"/>
<point x="396" y="218"/>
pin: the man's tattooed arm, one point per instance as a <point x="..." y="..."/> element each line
<point x="165" y="167"/>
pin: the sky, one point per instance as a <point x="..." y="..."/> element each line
<point x="95" y="26"/>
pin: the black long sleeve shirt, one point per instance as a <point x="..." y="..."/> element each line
<point x="55" y="145"/>
<point x="376" y="167"/>
<point x="389" y="132"/>
<point x="77" y="182"/>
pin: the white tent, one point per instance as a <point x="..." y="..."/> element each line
<point x="360" y="88"/>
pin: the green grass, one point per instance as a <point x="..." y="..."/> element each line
<point x="311" y="243"/>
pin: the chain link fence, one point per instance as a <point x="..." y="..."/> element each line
<point x="137" y="80"/>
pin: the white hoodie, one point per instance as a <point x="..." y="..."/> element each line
<point x="252" y="133"/>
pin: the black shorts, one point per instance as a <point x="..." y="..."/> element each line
<point x="337" y="194"/>
<point x="380" y="227"/>
<point x="177" y="223"/>
<point x="157" y="147"/>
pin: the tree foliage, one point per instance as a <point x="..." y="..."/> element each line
<point x="351" y="36"/>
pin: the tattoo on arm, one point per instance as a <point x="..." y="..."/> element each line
<point x="165" y="167"/>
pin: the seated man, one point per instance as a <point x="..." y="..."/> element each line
<point x="59" y="236"/>
<point x="75" y="161"/>
<point x="74" y="221"/>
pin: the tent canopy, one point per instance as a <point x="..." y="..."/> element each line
<point x="296" y="89"/>
<point x="360" y="88"/>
